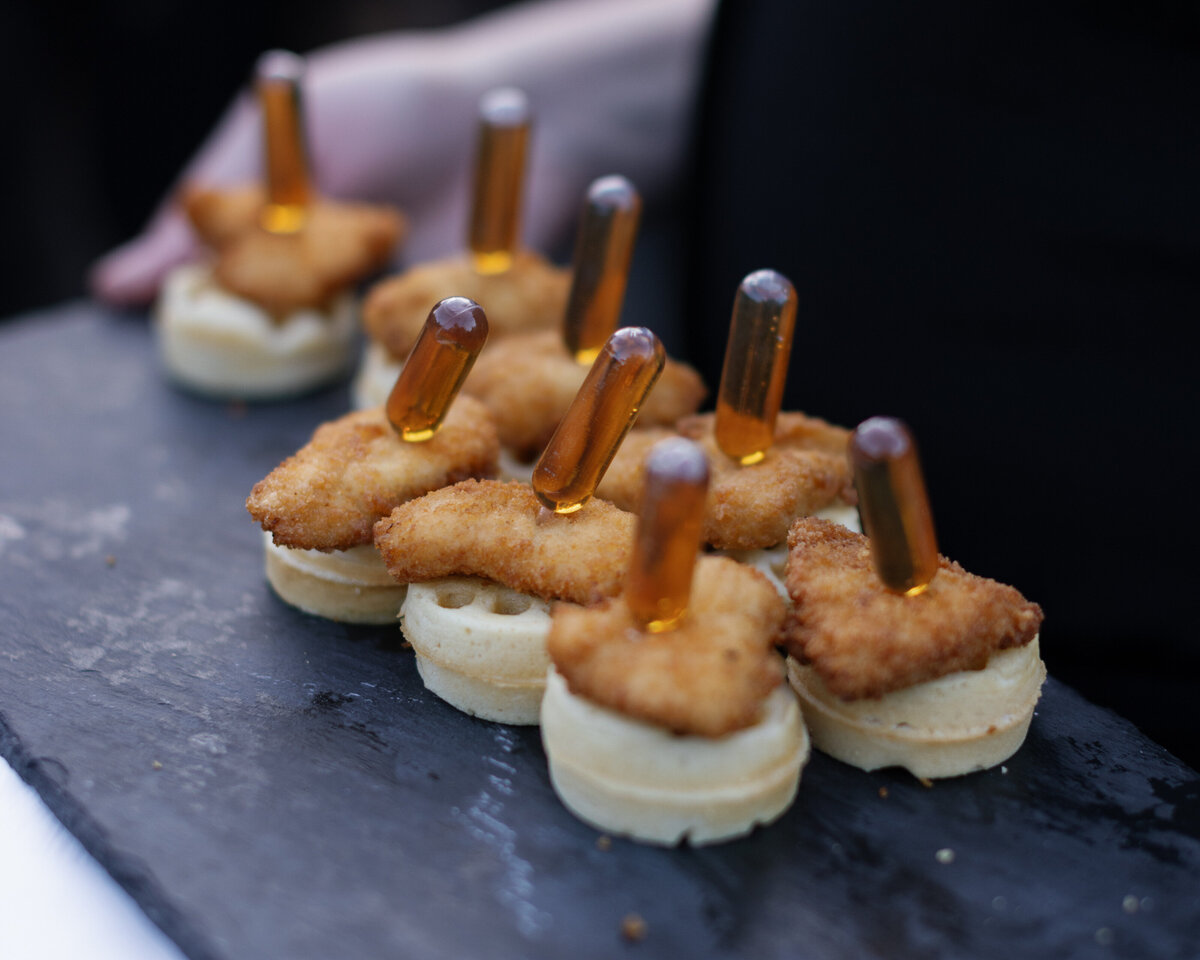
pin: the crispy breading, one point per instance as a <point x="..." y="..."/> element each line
<point x="708" y="676"/>
<point x="357" y="468"/>
<point x="748" y="508"/>
<point x="530" y="295"/>
<point x="219" y="216"/>
<point x="500" y="531"/>
<point x="529" y="381"/>
<point x="339" y="244"/>
<point x="865" y="641"/>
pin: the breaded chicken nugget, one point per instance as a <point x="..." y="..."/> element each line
<point x="357" y="468"/>
<point x="708" y="676"/>
<point x="529" y="381"/>
<point x="530" y="295"/>
<point x="865" y="641"/>
<point x="501" y="532"/>
<point x="339" y="244"/>
<point x="750" y="507"/>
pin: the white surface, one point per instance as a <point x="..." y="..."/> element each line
<point x="56" y="902"/>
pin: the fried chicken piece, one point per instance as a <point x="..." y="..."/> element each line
<point x="500" y="531"/>
<point x="748" y="508"/>
<point x="865" y="641"/>
<point x="529" y="381"/>
<point x="530" y="295"/>
<point x="357" y="468"/>
<point x="220" y="216"/>
<point x="708" y="676"/>
<point x="339" y="244"/>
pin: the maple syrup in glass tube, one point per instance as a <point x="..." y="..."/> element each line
<point x="667" y="542"/>
<point x="893" y="505"/>
<point x="600" y="271"/>
<point x="591" y="431"/>
<point x="755" y="369"/>
<point x="279" y="76"/>
<point x="504" y="122"/>
<point x="454" y="333"/>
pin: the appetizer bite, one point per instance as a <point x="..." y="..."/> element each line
<point x="483" y="560"/>
<point x="901" y="657"/>
<point x="521" y="290"/>
<point x="665" y="716"/>
<point x="767" y="468"/>
<point x="529" y="380"/>
<point x="273" y="314"/>
<point x="319" y="507"/>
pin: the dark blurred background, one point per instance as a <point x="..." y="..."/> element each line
<point x="106" y="102"/>
<point x="990" y="210"/>
<point x="991" y="213"/>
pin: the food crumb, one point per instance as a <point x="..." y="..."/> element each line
<point x="925" y="781"/>
<point x="633" y="927"/>
<point x="1130" y="904"/>
<point x="945" y="855"/>
<point x="1004" y="769"/>
<point x="156" y="765"/>
<point x="883" y="793"/>
<point x="604" y="842"/>
<point x="110" y="561"/>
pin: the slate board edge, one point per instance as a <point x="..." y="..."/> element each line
<point x="129" y="873"/>
<point x="133" y="874"/>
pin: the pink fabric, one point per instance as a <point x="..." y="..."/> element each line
<point x="393" y="118"/>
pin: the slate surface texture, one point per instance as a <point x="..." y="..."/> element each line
<point x="267" y="784"/>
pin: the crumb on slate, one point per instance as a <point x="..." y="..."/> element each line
<point x="633" y="927"/>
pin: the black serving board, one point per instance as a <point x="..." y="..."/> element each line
<point x="267" y="784"/>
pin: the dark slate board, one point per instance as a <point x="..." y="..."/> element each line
<point x="267" y="784"/>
